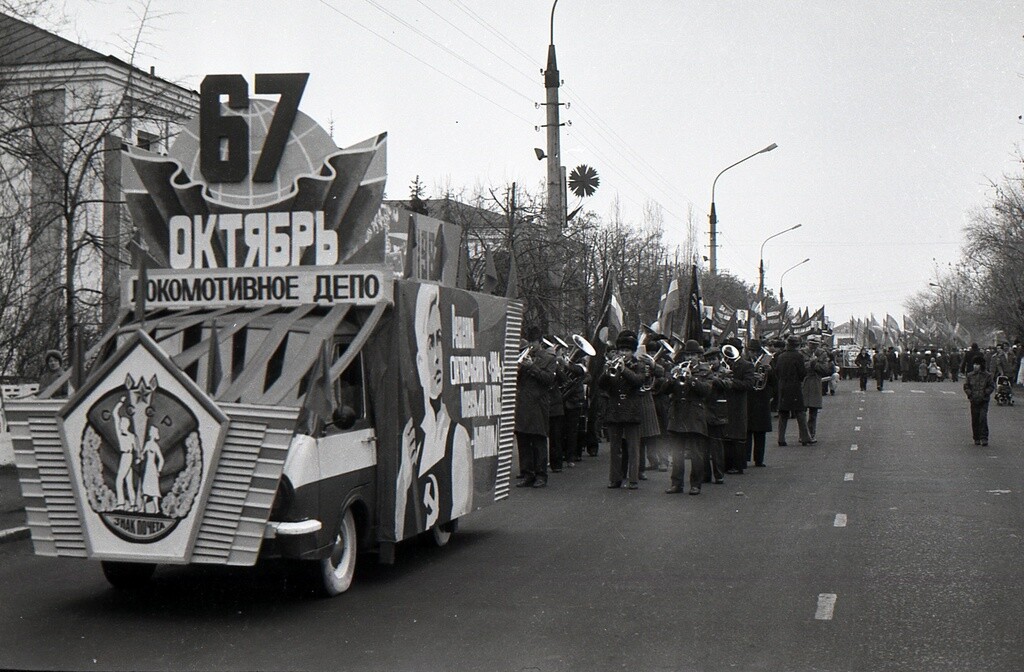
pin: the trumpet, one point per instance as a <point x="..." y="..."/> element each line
<point x="525" y="356"/>
<point x="615" y="364"/>
<point x="682" y="371"/>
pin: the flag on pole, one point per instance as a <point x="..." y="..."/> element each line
<point x="609" y="324"/>
<point x="669" y="308"/>
<point x="214" y="369"/>
<point x="693" y="317"/>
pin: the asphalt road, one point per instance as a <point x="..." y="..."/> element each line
<point x="902" y="554"/>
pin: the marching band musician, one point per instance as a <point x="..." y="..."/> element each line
<point x="650" y="429"/>
<point x="687" y="422"/>
<point x="718" y="417"/>
<point x="734" y="432"/>
<point x="759" y="398"/>
<point x="818" y="364"/>
<point x="556" y="410"/>
<point x="535" y="378"/>
<point x="573" y="391"/>
<point x="622" y="377"/>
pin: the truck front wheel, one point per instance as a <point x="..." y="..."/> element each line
<point x="442" y="533"/>
<point x="338" y="568"/>
<point x="127" y="575"/>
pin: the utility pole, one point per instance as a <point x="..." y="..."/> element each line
<point x="555" y="202"/>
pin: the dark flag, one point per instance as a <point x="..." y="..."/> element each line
<point x="410" y="249"/>
<point x="693" y="318"/>
<point x="214" y="368"/>
<point x="437" y="263"/>
<point x="141" y="281"/>
<point x="462" y="279"/>
<point x="610" y="320"/>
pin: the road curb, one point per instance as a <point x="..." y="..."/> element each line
<point x="14" y="534"/>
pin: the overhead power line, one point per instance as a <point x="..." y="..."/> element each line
<point x="423" y="62"/>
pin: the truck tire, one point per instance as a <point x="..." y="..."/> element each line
<point x="442" y="533"/>
<point x="338" y="568"/>
<point x="127" y="575"/>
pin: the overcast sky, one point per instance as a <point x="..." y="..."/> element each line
<point x="892" y="118"/>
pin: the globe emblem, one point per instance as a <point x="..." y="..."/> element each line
<point x="307" y="147"/>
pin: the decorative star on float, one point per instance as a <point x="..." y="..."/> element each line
<point x="583" y="181"/>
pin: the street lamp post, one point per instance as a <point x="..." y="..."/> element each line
<point x="781" y="296"/>
<point x="760" y="270"/>
<point x="713" y="218"/>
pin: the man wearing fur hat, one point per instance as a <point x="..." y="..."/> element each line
<point x="759" y="399"/>
<point x="734" y="433"/>
<point x="622" y="377"/>
<point x="535" y="379"/>
<point x="687" y="423"/>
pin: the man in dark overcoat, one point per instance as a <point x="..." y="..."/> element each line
<point x="759" y="412"/>
<point x="622" y="379"/>
<point x="818" y="364"/>
<point x="535" y="378"/>
<point x="791" y="371"/>
<point x="880" y="363"/>
<point x="687" y="421"/>
<point x="734" y="433"/>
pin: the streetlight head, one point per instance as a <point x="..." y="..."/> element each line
<point x="796" y="227"/>
<point x="768" y="148"/>
<point x="540" y="153"/>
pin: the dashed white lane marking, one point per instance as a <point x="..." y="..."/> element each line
<point x="853" y="446"/>
<point x="999" y="492"/>
<point x="918" y="391"/>
<point x="860" y="417"/>
<point x="826" y="606"/>
<point x="860" y="409"/>
<point x="947" y="392"/>
<point x="848" y="476"/>
<point x="888" y="391"/>
<point x="840" y="520"/>
<point x="856" y="428"/>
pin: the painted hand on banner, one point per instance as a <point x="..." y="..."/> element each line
<point x="430" y="501"/>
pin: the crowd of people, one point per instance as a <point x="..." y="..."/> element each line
<point x="923" y="365"/>
<point x="660" y="402"/>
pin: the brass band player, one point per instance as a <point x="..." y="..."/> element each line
<point x="687" y="422"/>
<point x="622" y="378"/>
<point x="734" y="433"/>
<point x="536" y="376"/>
<point x="759" y="399"/>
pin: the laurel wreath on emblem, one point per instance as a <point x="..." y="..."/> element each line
<point x="175" y="504"/>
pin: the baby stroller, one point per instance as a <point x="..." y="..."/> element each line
<point x="1004" y="391"/>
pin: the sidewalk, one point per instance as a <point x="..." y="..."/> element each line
<point x="12" y="507"/>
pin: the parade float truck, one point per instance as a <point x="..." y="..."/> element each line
<point x="272" y="388"/>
